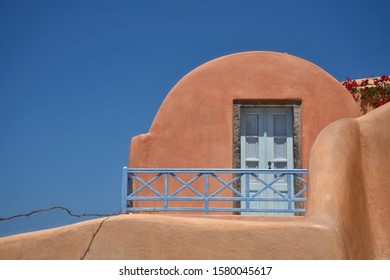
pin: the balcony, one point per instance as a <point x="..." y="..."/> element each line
<point x="271" y="191"/>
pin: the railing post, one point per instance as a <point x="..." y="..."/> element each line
<point x="206" y="193"/>
<point x="166" y="190"/>
<point x="289" y="191"/>
<point x="124" y="190"/>
<point x="247" y="190"/>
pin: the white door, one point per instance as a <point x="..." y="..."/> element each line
<point x="266" y="143"/>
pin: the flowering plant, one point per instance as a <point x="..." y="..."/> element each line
<point x="375" y="91"/>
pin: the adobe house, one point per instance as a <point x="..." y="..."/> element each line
<point x="251" y="110"/>
<point x="348" y="212"/>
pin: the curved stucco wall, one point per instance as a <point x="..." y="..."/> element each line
<point x="350" y="184"/>
<point x="194" y="126"/>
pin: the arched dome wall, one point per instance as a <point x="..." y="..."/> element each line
<point x="194" y="126"/>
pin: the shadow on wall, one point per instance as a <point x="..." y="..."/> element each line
<point x="369" y="93"/>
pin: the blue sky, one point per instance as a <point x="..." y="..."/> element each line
<point x="79" y="78"/>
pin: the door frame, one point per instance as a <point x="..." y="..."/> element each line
<point x="295" y="105"/>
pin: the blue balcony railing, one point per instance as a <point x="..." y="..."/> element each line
<point x="272" y="191"/>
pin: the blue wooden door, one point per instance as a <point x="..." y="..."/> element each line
<point x="266" y="143"/>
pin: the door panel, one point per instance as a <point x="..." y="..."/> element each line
<point x="266" y="142"/>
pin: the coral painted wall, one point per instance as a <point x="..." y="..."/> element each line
<point x="194" y="126"/>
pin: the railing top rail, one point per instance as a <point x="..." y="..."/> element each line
<point x="213" y="170"/>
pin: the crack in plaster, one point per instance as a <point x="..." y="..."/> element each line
<point x="93" y="238"/>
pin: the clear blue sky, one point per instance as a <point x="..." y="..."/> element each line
<point x="79" y="78"/>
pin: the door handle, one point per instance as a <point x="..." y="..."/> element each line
<point x="275" y="160"/>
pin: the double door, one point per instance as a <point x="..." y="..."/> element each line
<point x="266" y="143"/>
